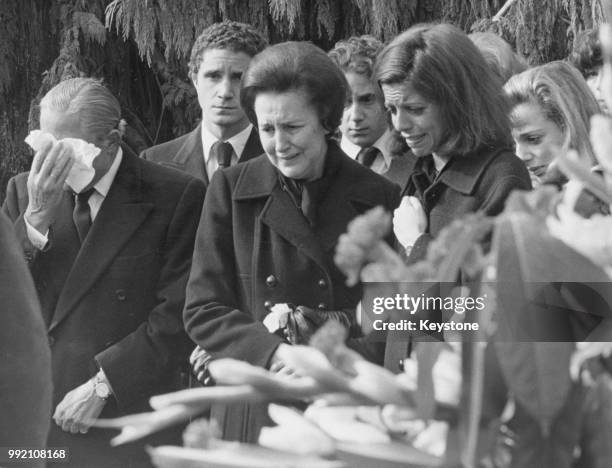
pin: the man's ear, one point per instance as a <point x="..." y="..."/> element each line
<point x="114" y="136"/>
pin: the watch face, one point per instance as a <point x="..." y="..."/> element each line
<point x="102" y="390"/>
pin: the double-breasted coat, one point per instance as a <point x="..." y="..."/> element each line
<point x="254" y="249"/>
<point x="186" y="154"/>
<point x="116" y="301"/>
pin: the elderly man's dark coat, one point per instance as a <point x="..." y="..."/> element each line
<point x="116" y="302"/>
<point x="25" y="359"/>
<point x="254" y="248"/>
<point x="185" y="153"/>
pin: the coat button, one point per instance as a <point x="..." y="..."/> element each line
<point x="121" y="296"/>
<point x="322" y="283"/>
<point x="51" y="340"/>
<point x="322" y="306"/>
<point x="271" y="281"/>
<point x="268" y="305"/>
<point x="400" y="365"/>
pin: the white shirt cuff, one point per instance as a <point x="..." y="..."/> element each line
<point x="37" y="239"/>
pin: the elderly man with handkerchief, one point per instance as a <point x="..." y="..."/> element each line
<point x="108" y="238"/>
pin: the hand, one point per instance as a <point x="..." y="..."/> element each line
<point x="79" y="408"/>
<point x="278" y="366"/>
<point x="49" y="170"/>
<point x="199" y="360"/>
<point x="409" y="221"/>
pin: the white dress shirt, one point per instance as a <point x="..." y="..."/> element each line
<point x="101" y="189"/>
<point x="238" y="142"/>
<point x="383" y="161"/>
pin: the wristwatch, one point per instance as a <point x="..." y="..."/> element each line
<point x="101" y="387"/>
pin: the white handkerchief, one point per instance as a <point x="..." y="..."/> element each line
<point x="82" y="171"/>
<point x="272" y="320"/>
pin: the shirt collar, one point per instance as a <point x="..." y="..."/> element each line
<point x="383" y="144"/>
<point x="105" y="182"/>
<point x="238" y="141"/>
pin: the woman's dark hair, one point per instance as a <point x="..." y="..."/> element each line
<point x="296" y="66"/>
<point x="445" y="68"/>
<point x="586" y="53"/>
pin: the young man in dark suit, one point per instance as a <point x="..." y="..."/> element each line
<point x="219" y="57"/>
<point x="366" y="130"/>
<point x="110" y="253"/>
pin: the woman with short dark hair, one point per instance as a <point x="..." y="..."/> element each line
<point x="450" y="108"/>
<point x="270" y="225"/>
<point x="293" y="66"/>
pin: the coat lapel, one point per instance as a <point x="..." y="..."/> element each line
<point x="400" y="169"/>
<point x="190" y="156"/>
<point x="253" y="147"/>
<point x="121" y="213"/>
<point x="281" y="215"/>
<point x="340" y="205"/>
<point x="259" y="179"/>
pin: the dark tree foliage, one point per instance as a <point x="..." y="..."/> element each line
<point x="140" y="48"/>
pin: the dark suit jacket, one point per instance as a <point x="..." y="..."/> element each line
<point x="254" y="249"/>
<point x="117" y="302"/>
<point x="25" y="359"/>
<point x="185" y="153"/>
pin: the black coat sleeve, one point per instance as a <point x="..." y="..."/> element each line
<point x="213" y="317"/>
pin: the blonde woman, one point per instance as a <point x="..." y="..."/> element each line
<point x="551" y="109"/>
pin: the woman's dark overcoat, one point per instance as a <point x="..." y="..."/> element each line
<point x="254" y="248"/>
<point x="476" y="182"/>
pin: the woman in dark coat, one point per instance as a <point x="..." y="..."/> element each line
<point x="452" y="112"/>
<point x="450" y="108"/>
<point x="269" y="226"/>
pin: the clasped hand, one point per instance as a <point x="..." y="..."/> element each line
<point x="79" y="408"/>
